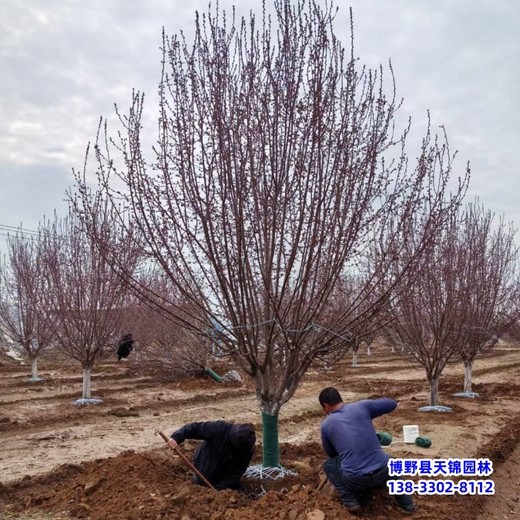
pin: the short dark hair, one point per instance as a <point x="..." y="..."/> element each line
<point x="330" y="396"/>
<point x="242" y="436"/>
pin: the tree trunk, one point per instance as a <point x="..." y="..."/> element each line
<point x="434" y="391"/>
<point x="86" y="383"/>
<point x="34" y="368"/>
<point x="354" y="359"/>
<point x="468" y="371"/>
<point x="369" y="351"/>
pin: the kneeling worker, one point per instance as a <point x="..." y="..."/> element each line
<point x="357" y="463"/>
<point x="224" y="455"/>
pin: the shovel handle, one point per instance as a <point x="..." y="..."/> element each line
<point x="322" y="483"/>
<point x="187" y="461"/>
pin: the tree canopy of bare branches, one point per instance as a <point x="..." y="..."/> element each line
<point x="83" y="294"/>
<point x="21" y="293"/>
<point x="427" y="317"/>
<point x="268" y="182"/>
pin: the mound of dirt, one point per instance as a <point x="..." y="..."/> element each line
<point x="106" y="463"/>
<point x="157" y="485"/>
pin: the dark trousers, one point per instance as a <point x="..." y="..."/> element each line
<point x="355" y="489"/>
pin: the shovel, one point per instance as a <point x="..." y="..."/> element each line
<point x="187" y="461"/>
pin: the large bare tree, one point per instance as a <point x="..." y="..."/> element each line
<point x="492" y="298"/>
<point x="83" y="294"/>
<point x="268" y="182"/>
<point x="21" y="293"/>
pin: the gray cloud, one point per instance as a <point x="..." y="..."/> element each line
<point x="64" y="64"/>
<point x="30" y="192"/>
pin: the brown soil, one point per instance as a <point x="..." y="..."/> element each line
<point x="104" y="462"/>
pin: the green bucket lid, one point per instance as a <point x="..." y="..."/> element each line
<point x="385" y="439"/>
<point x="423" y="442"/>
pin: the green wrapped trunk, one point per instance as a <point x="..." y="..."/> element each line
<point x="271" y="447"/>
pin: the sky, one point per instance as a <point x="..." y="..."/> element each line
<point x="65" y="63"/>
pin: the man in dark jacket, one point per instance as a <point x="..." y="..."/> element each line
<point x="357" y="463"/>
<point x="126" y="345"/>
<point x="224" y="455"/>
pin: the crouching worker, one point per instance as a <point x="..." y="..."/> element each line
<point x="126" y="345"/>
<point x="357" y="463"/>
<point x="224" y="455"/>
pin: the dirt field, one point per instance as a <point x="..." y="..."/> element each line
<point x="105" y="462"/>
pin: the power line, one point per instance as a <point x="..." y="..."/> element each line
<point x="5" y="229"/>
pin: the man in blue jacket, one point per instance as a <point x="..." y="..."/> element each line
<point x="224" y="455"/>
<point x="357" y="463"/>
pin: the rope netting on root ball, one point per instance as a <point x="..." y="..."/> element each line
<point x="258" y="471"/>
<point x="436" y="408"/>
<point x="259" y="480"/>
<point x="467" y="395"/>
<point x="86" y="402"/>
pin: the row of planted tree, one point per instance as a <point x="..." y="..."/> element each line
<point x="279" y="216"/>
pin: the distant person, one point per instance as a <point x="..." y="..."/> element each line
<point x="126" y="345"/>
<point x="224" y="455"/>
<point x="357" y="464"/>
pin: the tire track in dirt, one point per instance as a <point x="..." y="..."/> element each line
<point x="504" y="451"/>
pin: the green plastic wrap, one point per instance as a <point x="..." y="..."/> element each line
<point x="213" y="374"/>
<point x="271" y="453"/>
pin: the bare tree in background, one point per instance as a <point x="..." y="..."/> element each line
<point x="83" y="293"/>
<point x="460" y="299"/>
<point x="165" y="347"/>
<point x="351" y="299"/>
<point x="172" y="351"/>
<point x="268" y="183"/>
<point x="492" y="285"/>
<point x="21" y="293"/>
<point x="427" y="317"/>
<point x="513" y="332"/>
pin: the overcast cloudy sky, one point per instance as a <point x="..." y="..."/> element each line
<point x="64" y="63"/>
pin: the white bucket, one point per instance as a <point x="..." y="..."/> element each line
<point x="410" y="433"/>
